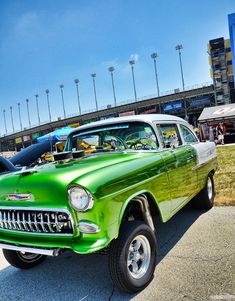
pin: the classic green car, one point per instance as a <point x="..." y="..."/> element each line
<point x="108" y="198"/>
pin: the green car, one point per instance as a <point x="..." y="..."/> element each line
<point x="104" y="192"/>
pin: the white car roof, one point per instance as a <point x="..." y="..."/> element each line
<point x="144" y="117"/>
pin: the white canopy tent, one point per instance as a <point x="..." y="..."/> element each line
<point x="210" y="118"/>
<point x="217" y="113"/>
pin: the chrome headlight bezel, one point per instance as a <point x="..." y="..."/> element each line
<point x="88" y="202"/>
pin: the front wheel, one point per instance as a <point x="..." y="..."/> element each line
<point x="132" y="257"/>
<point x="22" y="260"/>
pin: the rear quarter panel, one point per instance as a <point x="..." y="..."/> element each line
<point x="207" y="161"/>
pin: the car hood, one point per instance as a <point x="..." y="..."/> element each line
<point x="50" y="182"/>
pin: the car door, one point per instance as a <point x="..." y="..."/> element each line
<point x="190" y="142"/>
<point x="179" y="159"/>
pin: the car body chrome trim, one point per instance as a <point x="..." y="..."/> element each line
<point x="38" y="233"/>
<point x="35" y="208"/>
<point x="203" y="163"/>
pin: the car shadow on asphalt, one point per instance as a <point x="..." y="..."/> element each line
<point x="84" y="277"/>
<point x="168" y="234"/>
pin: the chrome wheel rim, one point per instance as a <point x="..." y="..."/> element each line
<point x="138" y="258"/>
<point x="28" y="257"/>
<point x="209" y="188"/>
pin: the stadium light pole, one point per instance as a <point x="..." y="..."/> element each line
<point x="27" y="103"/>
<point x="12" y="123"/>
<point x="78" y="97"/>
<point x="4" y="118"/>
<point x="179" y="47"/>
<point x="36" y="96"/>
<point x="93" y="75"/>
<point x="132" y="62"/>
<point x="111" y="69"/>
<point x="154" y="56"/>
<point x="20" y="116"/>
<point x="62" y="97"/>
<point x="48" y="104"/>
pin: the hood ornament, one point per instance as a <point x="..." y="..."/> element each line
<point x="20" y="196"/>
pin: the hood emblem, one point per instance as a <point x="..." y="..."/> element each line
<point x="20" y="196"/>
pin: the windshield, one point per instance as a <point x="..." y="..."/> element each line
<point x="114" y="137"/>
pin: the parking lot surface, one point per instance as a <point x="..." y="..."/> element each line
<point x="196" y="261"/>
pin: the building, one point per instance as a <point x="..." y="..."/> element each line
<point x="220" y="60"/>
<point x="231" y="24"/>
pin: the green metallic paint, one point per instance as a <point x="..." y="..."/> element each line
<point x="113" y="179"/>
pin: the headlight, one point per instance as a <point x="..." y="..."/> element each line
<point x="80" y="199"/>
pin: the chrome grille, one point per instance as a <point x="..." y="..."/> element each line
<point x="37" y="221"/>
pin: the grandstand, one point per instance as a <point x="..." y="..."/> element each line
<point x="174" y="102"/>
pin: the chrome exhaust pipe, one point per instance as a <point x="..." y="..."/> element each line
<point x="47" y="252"/>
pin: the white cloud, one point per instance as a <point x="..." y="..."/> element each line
<point x="134" y="57"/>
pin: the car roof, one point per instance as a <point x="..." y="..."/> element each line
<point x="144" y="117"/>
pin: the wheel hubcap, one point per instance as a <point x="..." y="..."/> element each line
<point x="209" y="189"/>
<point x="28" y="257"/>
<point x="138" y="258"/>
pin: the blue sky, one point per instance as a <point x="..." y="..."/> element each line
<point x="46" y="43"/>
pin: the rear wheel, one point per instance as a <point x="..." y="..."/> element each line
<point x="132" y="257"/>
<point x="23" y="260"/>
<point x="205" y="198"/>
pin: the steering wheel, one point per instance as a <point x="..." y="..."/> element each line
<point x="138" y="145"/>
<point x="122" y="142"/>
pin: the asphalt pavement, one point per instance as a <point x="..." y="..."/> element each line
<point x="196" y="261"/>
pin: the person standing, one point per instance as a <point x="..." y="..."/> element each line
<point x="211" y="134"/>
<point x="220" y="129"/>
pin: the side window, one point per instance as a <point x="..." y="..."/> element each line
<point x="141" y="137"/>
<point x="169" y="135"/>
<point x="187" y="135"/>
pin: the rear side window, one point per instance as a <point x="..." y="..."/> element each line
<point x="169" y="135"/>
<point x="187" y="135"/>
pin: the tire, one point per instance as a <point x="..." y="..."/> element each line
<point x="132" y="257"/>
<point x="23" y="260"/>
<point x="205" y="198"/>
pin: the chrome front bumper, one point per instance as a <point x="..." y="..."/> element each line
<point x="41" y="251"/>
